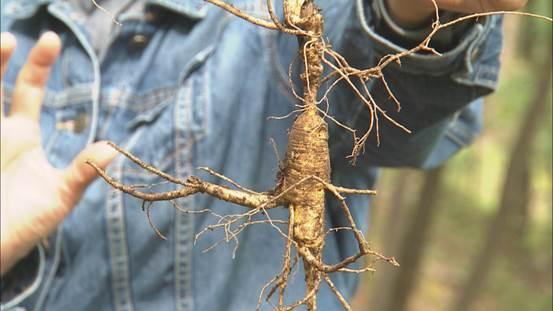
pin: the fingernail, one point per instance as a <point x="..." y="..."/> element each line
<point x="48" y="34"/>
<point x="110" y="150"/>
<point x="50" y="37"/>
<point x="7" y="40"/>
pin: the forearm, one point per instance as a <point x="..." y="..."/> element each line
<point x="413" y="13"/>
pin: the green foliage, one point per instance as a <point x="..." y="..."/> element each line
<point x="521" y="280"/>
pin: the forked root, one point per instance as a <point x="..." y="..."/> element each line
<point x="191" y="185"/>
<point x="258" y="203"/>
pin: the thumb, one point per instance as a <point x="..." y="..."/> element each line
<point x="79" y="175"/>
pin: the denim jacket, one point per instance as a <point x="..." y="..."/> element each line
<point x="193" y="86"/>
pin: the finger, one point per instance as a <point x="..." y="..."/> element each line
<point x="7" y="46"/>
<point x="475" y="6"/>
<point x="79" y="175"/>
<point x="29" y="86"/>
<point x="505" y="5"/>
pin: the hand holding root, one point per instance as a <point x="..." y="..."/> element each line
<point x="410" y="13"/>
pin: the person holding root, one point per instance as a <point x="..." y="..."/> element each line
<point x="182" y="84"/>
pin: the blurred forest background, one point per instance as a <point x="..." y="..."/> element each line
<point x="476" y="234"/>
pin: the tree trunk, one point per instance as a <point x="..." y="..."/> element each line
<point x="414" y="242"/>
<point x="526" y="45"/>
<point x="513" y="201"/>
<point x="399" y="207"/>
<point x="402" y="186"/>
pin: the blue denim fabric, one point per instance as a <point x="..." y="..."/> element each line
<point x="199" y="93"/>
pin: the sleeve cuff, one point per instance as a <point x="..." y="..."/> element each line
<point x="455" y="44"/>
<point x="23" y="279"/>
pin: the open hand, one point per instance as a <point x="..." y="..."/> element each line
<point x="35" y="197"/>
<point x="410" y="13"/>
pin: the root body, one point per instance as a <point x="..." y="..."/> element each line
<point x="307" y="155"/>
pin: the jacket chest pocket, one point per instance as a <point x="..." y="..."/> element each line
<point x="165" y="135"/>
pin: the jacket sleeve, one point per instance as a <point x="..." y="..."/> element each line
<point x="440" y="95"/>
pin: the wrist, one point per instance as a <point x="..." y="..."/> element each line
<point x="9" y="257"/>
<point x="411" y="13"/>
<point x="11" y="251"/>
<point x="13" y="245"/>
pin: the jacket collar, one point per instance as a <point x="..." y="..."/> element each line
<point x="21" y="9"/>
<point x="192" y="8"/>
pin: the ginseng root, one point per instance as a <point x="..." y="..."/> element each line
<point x="302" y="181"/>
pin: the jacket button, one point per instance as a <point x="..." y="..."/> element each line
<point x="151" y="16"/>
<point x="138" y="41"/>
<point x="76" y="125"/>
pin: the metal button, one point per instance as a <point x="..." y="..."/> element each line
<point x="77" y="125"/>
<point x="150" y="16"/>
<point x="139" y="41"/>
